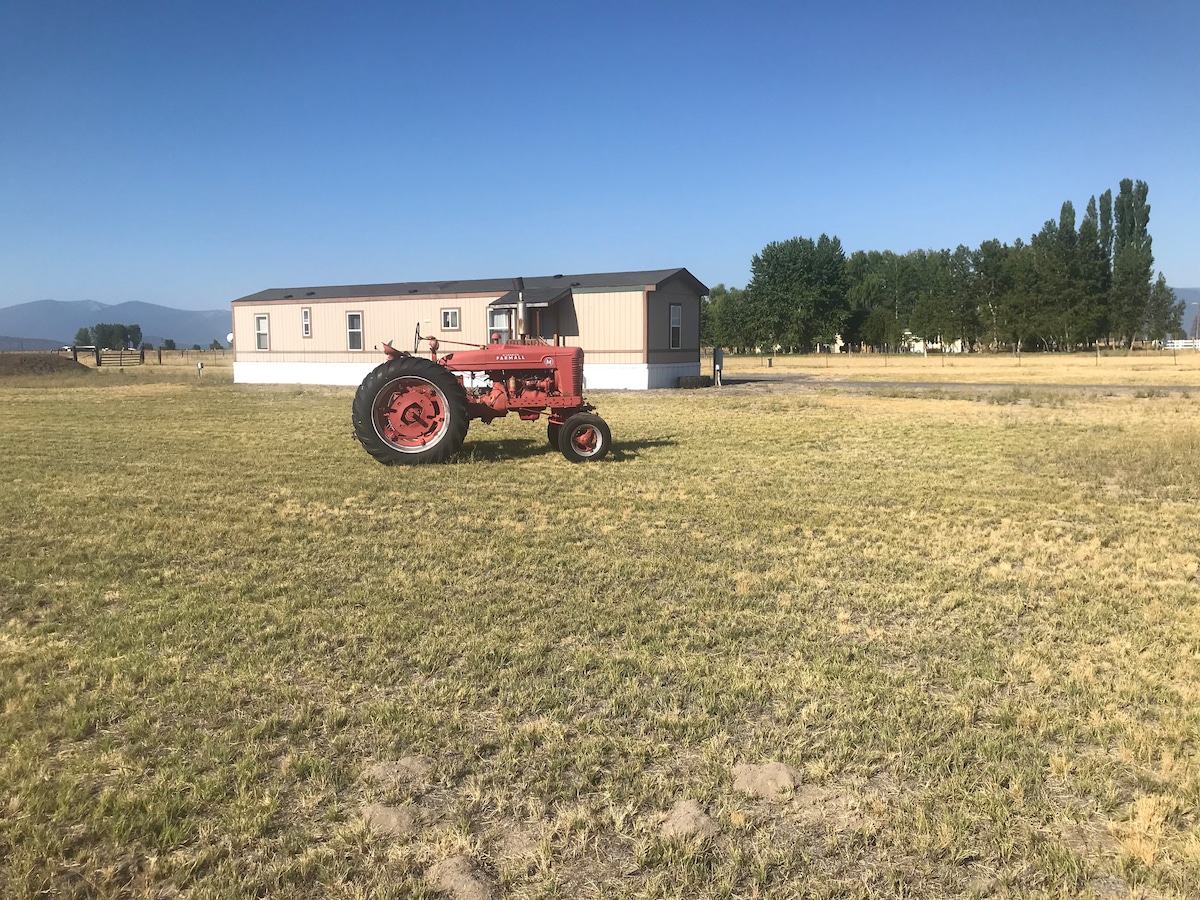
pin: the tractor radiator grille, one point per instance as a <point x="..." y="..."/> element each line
<point x="577" y="373"/>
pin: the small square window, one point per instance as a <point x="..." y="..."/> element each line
<point x="262" y="336"/>
<point x="676" y="326"/>
<point x="306" y="322"/>
<point x="449" y="320"/>
<point x="354" y="331"/>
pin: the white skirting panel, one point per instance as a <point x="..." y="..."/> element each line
<point x="628" y="377"/>
<point x="634" y="377"/>
<point x="667" y="375"/>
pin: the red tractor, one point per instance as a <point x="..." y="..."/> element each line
<point x="415" y="410"/>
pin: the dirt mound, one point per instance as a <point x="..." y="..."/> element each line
<point x="39" y="364"/>
<point x="688" y="820"/>
<point x="457" y="878"/>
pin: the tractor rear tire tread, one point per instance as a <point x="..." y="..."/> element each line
<point x="366" y="426"/>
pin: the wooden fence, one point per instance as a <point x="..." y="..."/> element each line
<point x="122" y="357"/>
<point x="111" y="357"/>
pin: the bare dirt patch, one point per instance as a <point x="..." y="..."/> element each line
<point x="688" y="820"/>
<point x="409" y="770"/>
<point x="398" y="821"/>
<point x="457" y="878"/>
<point x="39" y="364"/>
<point x="767" y="781"/>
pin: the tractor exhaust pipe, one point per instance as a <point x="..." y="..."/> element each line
<point x="519" y="287"/>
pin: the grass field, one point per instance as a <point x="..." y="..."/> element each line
<point x="1137" y="368"/>
<point x="239" y="658"/>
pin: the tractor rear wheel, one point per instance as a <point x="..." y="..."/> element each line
<point x="584" y="437"/>
<point x="410" y="410"/>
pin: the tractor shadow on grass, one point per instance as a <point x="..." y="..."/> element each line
<point x="498" y="451"/>
<point x="624" y="451"/>
<point x="517" y="448"/>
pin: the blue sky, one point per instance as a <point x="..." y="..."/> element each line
<point x="188" y="153"/>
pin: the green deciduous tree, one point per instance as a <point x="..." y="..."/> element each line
<point x="116" y="336"/>
<point x="83" y="337"/>
<point x="1018" y="305"/>
<point x="1069" y="286"/>
<point x="731" y="322"/>
<point x="882" y="329"/>
<point x="1164" y="313"/>
<point x="991" y="283"/>
<point x="864" y="295"/>
<point x="168" y="344"/>
<point x="932" y="316"/>
<point x="797" y="291"/>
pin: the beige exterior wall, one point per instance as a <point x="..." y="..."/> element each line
<point x="658" y="326"/>
<point x="611" y="328"/>
<point x="383" y="318"/>
<point x="615" y="328"/>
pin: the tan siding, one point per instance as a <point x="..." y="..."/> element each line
<point x="384" y="319"/>
<point x="609" y="323"/>
<point x="613" y="327"/>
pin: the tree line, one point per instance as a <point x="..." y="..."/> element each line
<point x="111" y="335"/>
<point x="126" y="337"/>
<point x="1069" y="287"/>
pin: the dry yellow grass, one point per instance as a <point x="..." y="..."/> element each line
<point x="970" y="627"/>
<point x="1138" y="368"/>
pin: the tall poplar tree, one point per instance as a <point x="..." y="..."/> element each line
<point x="1095" y="275"/>
<point x="1106" y="223"/>
<point x="1133" y="261"/>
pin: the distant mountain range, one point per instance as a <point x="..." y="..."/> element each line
<point x="53" y="323"/>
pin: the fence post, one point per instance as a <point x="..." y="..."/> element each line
<point x="97" y="349"/>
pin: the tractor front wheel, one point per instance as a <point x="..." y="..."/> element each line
<point x="584" y="437"/>
<point x="552" y="430"/>
<point x="410" y="410"/>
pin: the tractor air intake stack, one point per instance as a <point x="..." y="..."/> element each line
<point x="519" y="287"/>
